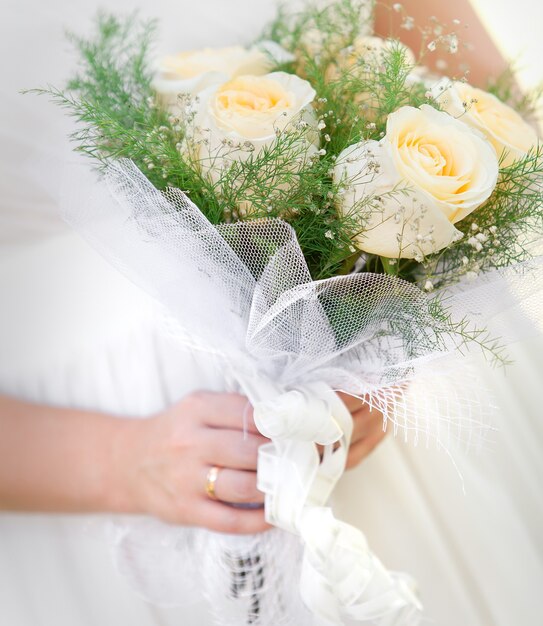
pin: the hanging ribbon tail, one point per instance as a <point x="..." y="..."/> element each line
<point x="341" y="578"/>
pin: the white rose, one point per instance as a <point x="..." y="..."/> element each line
<point x="510" y="135"/>
<point x="193" y="71"/>
<point x="427" y="173"/>
<point x="243" y="116"/>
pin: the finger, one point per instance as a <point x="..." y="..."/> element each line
<point x="351" y="402"/>
<point x="228" y="519"/>
<point x="359" y="451"/>
<point x="365" y="423"/>
<point x="228" y="410"/>
<point x="232" y="448"/>
<point x="235" y="486"/>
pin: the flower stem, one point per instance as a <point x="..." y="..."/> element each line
<point x="390" y="266"/>
<point x="348" y="264"/>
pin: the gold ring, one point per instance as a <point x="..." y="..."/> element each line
<point x="211" y="479"/>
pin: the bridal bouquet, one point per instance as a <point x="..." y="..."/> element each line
<point x="319" y="212"/>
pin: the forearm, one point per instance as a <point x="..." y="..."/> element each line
<point x="481" y="55"/>
<point x="67" y="460"/>
<point x="54" y="459"/>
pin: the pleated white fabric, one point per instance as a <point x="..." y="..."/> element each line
<point x="73" y="332"/>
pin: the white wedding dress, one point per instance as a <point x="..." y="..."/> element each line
<point x="75" y="332"/>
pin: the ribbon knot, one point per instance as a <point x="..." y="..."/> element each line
<point x="299" y="414"/>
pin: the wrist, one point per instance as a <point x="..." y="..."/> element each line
<point x="118" y="491"/>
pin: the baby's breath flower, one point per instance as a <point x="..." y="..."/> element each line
<point x="453" y="44"/>
<point x="408" y="23"/>
<point x="475" y="244"/>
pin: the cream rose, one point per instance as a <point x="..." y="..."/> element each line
<point x="243" y="116"/>
<point x="193" y="71"/>
<point x="510" y="135"/>
<point x="427" y="173"/>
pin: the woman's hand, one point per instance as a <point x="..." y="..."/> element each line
<point x="160" y="465"/>
<point x="70" y="460"/>
<point x="367" y="429"/>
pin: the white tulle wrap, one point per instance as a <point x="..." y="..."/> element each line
<point x="242" y="295"/>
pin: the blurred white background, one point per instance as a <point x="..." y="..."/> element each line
<point x="516" y="29"/>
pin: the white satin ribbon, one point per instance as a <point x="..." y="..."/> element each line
<point x="341" y="578"/>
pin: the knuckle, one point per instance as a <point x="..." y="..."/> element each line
<point x="245" y="486"/>
<point x="229" y="521"/>
<point x="184" y="438"/>
<point x="240" y="403"/>
<point x="249" y="452"/>
<point x="197" y="400"/>
<point x="237" y="397"/>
